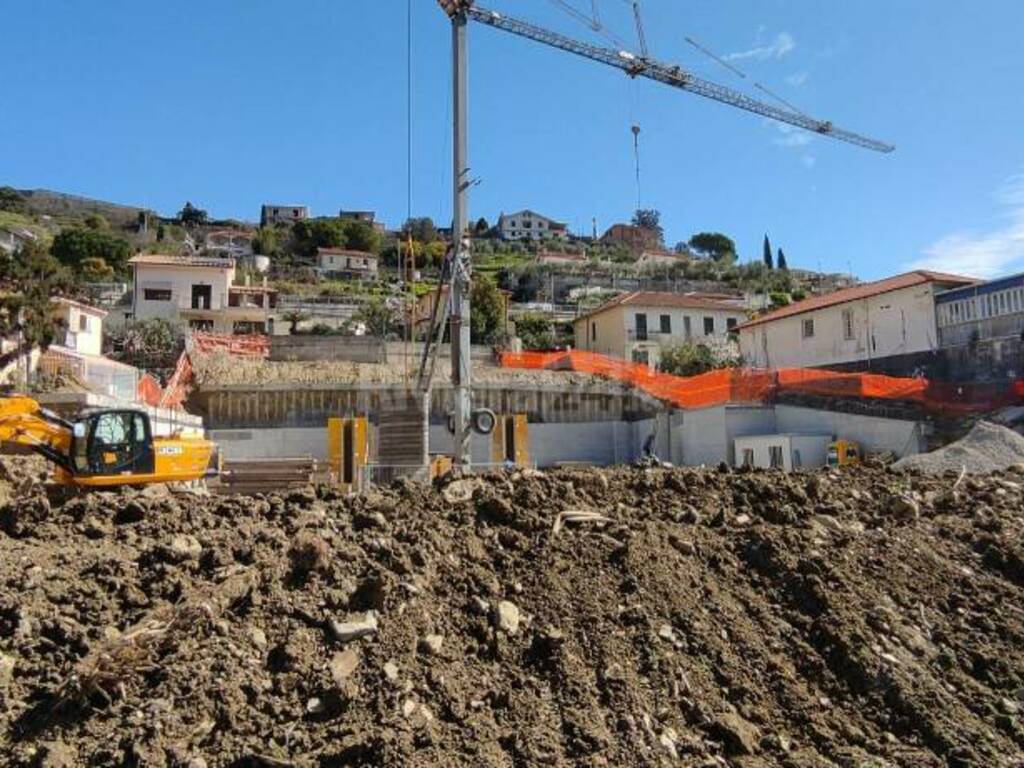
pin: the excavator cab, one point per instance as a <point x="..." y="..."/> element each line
<point x="112" y="442"/>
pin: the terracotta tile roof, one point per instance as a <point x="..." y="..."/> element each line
<point x="182" y="261"/>
<point x="860" y="292"/>
<point x="89" y="308"/>
<point x="660" y="299"/>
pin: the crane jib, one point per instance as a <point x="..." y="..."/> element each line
<point x="636" y="65"/>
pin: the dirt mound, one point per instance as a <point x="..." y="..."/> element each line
<point x="986" y="448"/>
<point x="637" y="617"/>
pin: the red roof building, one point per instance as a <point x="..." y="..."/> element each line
<point x="858" y="327"/>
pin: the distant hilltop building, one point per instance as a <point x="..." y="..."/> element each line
<point x="528" y="225"/>
<point x="636" y="239"/>
<point x="367" y="217"/>
<point x="282" y="214"/>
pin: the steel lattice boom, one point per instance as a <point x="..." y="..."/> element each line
<point x="639" y="66"/>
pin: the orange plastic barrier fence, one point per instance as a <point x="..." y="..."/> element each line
<point x="177" y="387"/>
<point x="244" y="346"/>
<point x="739" y="385"/>
<point x="148" y="390"/>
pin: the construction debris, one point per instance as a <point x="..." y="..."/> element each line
<point x="860" y="617"/>
<point x="986" y="448"/>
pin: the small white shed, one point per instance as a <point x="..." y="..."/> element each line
<point x="788" y="451"/>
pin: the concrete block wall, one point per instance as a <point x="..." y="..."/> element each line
<point x="707" y="436"/>
<point x="279" y="443"/>
<point x="875" y="435"/>
<point x="689" y="438"/>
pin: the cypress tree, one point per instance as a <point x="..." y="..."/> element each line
<point x="780" y="262"/>
<point x="769" y="262"/>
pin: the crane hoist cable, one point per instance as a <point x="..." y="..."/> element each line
<point x="592" y="22"/>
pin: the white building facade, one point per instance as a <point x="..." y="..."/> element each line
<point x="198" y="292"/>
<point x="528" y="225"/>
<point x="873" y="326"/>
<point x="637" y="326"/>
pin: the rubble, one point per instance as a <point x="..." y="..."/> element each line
<point x="871" y="624"/>
<point x="986" y="448"/>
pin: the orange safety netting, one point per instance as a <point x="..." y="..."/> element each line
<point x="148" y="390"/>
<point x="740" y="385"/>
<point x="255" y="345"/>
<point x="176" y="392"/>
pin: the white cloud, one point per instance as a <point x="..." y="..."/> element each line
<point x="797" y="79"/>
<point x="985" y="254"/>
<point x="791" y="136"/>
<point x="782" y="45"/>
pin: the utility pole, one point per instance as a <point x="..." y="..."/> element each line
<point x="461" y="264"/>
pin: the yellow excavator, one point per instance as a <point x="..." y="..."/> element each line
<point x="105" y="447"/>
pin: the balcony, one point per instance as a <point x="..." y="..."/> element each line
<point x="634" y="335"/>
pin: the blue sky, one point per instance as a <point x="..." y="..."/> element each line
<point x="231" y="103"/>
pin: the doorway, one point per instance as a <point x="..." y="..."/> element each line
<point x="202" y="296"/>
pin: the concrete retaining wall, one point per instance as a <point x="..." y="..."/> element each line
<point x="283" y="443"/>
<point x="688" y="438"/>
<point x="875" y="435"/>
<point x="708" y="436"/>
<point x="247" y="407"/>
<point x="357" y="349"/>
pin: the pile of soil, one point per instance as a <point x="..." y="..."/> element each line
<point x="634" y="617"/>
<point x="987" y="447"/>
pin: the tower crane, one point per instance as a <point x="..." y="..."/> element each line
<point x="461" y="12"/>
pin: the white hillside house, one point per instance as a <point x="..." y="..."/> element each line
<point x="528" y="225"/>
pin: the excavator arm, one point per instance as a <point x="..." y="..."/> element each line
<point x="24" y="422"/>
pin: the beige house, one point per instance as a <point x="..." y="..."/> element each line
<point x="77" y="351"/>
<point x="199" y="292"/>
<point x="339" y="261"/>
<point x="81" y="326"/>
<point x="888" y="325"/>
<point x="636" y="326"/>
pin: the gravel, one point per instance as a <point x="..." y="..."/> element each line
<point x="986" y="448"/>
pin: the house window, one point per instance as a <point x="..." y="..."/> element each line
<point x="775" y="457"/>
<point x="730" y="324"/>
<point x="156" y="294"/>
<point x="641" y="356"/>
<point x="687" y="330"/>
<point x="709" y="326"/>
<point x="808" y="328"/>
<point x="593" y="331"/>
<point x="748" y="457"/>
<point x="848" y="324"/>
<point x="83" y="322"/>
<point x="666" y="324"/>
<point x="641" y="327"/>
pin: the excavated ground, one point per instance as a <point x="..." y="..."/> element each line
<point x="692" y="618"/>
